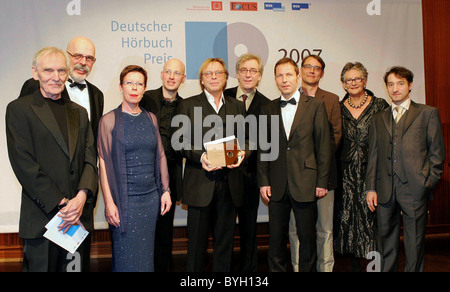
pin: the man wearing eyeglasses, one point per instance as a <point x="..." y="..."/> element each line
<point x="81" y="53"/>
<point x="312" y="71"/>
<point x="211" y="193"/>
<point x="249" y="69"/>
<point x="163" y="103"/>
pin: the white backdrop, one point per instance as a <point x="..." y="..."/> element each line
<point x="378" y="33"/>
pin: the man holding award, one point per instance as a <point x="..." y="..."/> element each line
<point x="211" y="191"/>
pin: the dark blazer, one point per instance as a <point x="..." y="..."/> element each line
<point x="423" y="152"/>
<point x="333" y="108"/>
<point x="152" y="102"/>
<point x="198" y="184"/>
<point x="250" y="166"/>
<point x="45" y="166"/>
<point x="305" y="158"/>
<point x="95" y="97"/>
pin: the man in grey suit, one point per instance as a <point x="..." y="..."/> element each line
<point x="406" y="160"/>
<point x="51" y="150"/>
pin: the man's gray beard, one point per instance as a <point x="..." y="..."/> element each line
<point x="81" y="67"/>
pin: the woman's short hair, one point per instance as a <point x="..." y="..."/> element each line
<point x="354" y="66"/>
<point x="133" y="68"/>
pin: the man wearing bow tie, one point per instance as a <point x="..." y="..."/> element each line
<point x="81" y="53"/>
<point x="299" y="175"/>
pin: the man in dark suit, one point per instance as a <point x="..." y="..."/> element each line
<point x="51" y="150"/>
<point x="406" y="161"/>
<point x="312" y="71"/>
<point x="163" y="103"/>
<point x="82" y="59"/>
<point x="211" y="193"/>
<point x="249" y="69"/>
<point x="300" y="174"/>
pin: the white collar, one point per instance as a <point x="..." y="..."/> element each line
<point x="404" y="104"/>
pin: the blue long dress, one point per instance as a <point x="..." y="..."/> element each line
<point x="133" y="251"/>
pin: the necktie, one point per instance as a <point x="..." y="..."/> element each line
<point x="292" y="101"/>
<point x="399" y="110"/>
<point x="79" y="85"/>
<point x="244" y="98"/>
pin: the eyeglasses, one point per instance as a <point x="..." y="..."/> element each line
<point x="170" y="72"/>
<point x="210" y="74"/>
<point x="309" y="66"/>
<point x="245" y="71"/>
<point x="357" y="80"/>
<point x="132" y="84"/>
<point x="79" y="57"/>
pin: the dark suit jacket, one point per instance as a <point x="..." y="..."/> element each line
<point x="45" y="166"/>
<point x="152" y="102"/>
<point x="250" y="166"/>
<point x="333" y="108"/>
<point x="198" y="184"/>
<point x="95" y="97"/>
<point x="422" y="147"/>
<point x="305" y="158"/>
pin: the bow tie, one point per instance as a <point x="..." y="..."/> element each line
<point x="292" y="101"/>
<point x="79" y="85"/>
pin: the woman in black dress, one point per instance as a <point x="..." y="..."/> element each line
<point x="355" y="226"/>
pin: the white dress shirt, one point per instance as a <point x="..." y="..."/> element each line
<point x="288" y="113"/>
<point x="212" y="102"/>
<point x="404" y="105"/>
<point x="80" y="97"/>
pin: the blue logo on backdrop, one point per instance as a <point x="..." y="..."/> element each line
<point x="300" y="6"/>
<point x="274" y="6"/>
<point x="221" y="40"/>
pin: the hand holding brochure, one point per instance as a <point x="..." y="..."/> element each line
<point x="71" y="240"/>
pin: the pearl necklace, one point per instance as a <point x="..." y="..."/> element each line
<point x="366" y="96"/>
<point x="132" y="114"/>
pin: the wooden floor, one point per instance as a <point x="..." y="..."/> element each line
<point x="437" y="259"/>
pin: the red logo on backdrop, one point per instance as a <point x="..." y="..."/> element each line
<point x="216" y="5"/>
<point x="244" y="6"/>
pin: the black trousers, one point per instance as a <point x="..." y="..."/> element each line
<point x="220" y="217"/>
<point x="248" y="216"/>
<point x="305" y="217"/>
<point x="402" y="207"/>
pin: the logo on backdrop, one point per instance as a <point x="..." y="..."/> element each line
<point x="216" y="6"/>
<point x="300" y="6"/>
<point x="222" y="40"/>
<point x="74" y="8"/>
<point x="277" y="7"/>
<point x="244" y="6"/>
